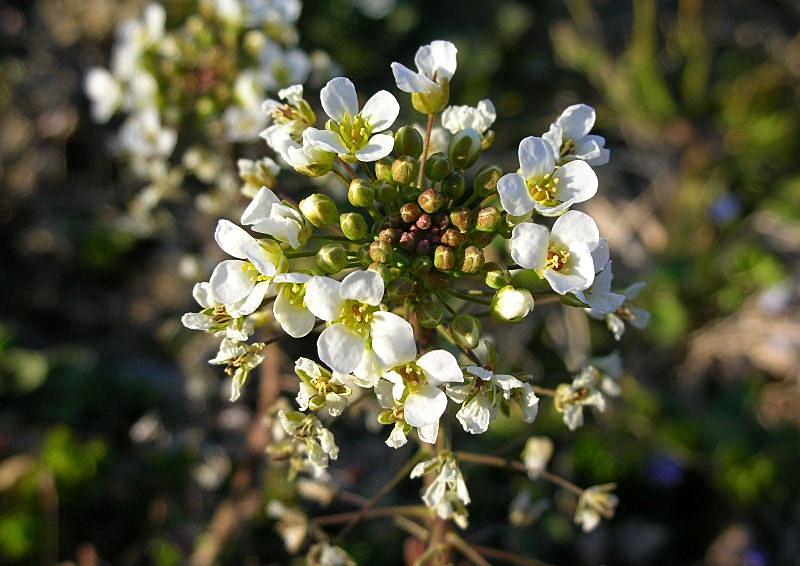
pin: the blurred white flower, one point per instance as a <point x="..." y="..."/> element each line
<point x="570" y="139"/>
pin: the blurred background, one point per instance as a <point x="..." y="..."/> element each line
<point x="117" y="443"/>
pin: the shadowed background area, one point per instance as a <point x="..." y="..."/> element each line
<point x="118" y="444"/>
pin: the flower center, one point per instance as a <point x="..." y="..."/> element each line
<point x="296" y="294"/>
<point x="557" y="259"/>
<point x="567" y="146"/>
<point x="357" y="316"/>
<point x="255" y="275"/>
<point x="412" y="373"/>
<point x="354" y="131"/>
<point x="544" y="189"/>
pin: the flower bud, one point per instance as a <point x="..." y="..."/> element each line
<point x="432" y="101"/>
<point x="430" y="315"/>
<point x="485" y="182"/>
<point x="441" y="220"/>
<point x="319" y="209"/>
<point x="408" y="141"/>
<point x="453" y="238"/>
<point x="473" y="260"/>
<point x="461" y="219"/>
<point x="400" y="288"/>
<point x="425" y="221"/>
<point x="383" y="169"/>
<point x="487" y="140"/>
<point x="465" y="148"/>
<point x="421" y="265"/>
<point x="466" y="331"/>
<point x="488" y="219"/>
<point x="354" y="226"/>
<point x="454" y="185"/>
<point x="360" y="193"/>
<point x="497" y="276"/>
<point x="409" y="193"/>
<point x="437" y="167"/>
<point x="423" y="247"/>
<point x="405" y="170"/>
<point x="511" y="305"/>
<point x="332" y="258"/>
<point x="410" y="212"/>
<point x="382" y="270"/>
<point x="380" y="252"/>
<point x="386" y="192"/>
<point x="444" y="258"/>
<point x="390" y="235"/>
<point x="407" y="241"/>
<point x="431" y="200"/>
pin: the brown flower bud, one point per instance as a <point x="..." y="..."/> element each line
<point x="410" y="212"/>
<point x="431" y="200"/>
<point x="452" y="237"/>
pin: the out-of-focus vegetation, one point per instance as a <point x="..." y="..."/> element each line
<point x="117" y="444"/>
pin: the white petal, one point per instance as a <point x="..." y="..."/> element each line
<point x="229" y="281"/>
<point x="576" y="121"/>
<point x="440" y="366"/>
<point x="514" y="194"/>
<point x="576" y="227"/>
<point x="203" y="295"/>
<point x="378" y="147"/>
<point x="437" y="59"/>
<point x="381" y="110"/>
<point x="551" y="211"/>
<point x="197" y="321"/>
<point x="295" y="321"/>
<point x="291" y="278"/>
<point x="339" y="97"/>
<point x="409" y="81"/>
<point x="323" y="298"/>
<point x="368" y="371"/>
<point x="397" y="438"/>
<point x="339" y="348"/>
<point x="251" y="302"/>
<point x="363" y="286"/>
<point x="424" y="406"/>
<point x="536" y="157"/>
<point x="578" y="273"/>
<point x="232" y="238"/>
<point x="529" y="243"/>
<point x="324" y="139"/>
<point x="600" y="255"/>
<point x="392" y="339"/>
<point x="260" y="207"/>
<point x="429" y="433"/>
<point x="576" y="181"/>
<point x="475" y="415"/>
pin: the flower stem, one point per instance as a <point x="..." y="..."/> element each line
<point x="375" y="513"/>
<point x="498" y="462"/>
<point x="425" y="148"/>
<point x="468" y="297"/>
<point x="349" y="169"/>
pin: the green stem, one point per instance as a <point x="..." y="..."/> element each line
<point x="426" y="148"/>
<point x="467" y="297"/>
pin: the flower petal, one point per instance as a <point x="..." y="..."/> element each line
<point x="260" y="207"/>
<point x="363" y="286"/>
<point x="514" y="194"/>
<point x="323" y="298"/>
<point x="232" y="238"/>
<point x="230" y="282"/>
<point x="295" y="321"/>
<point x="324" y="139"/>
<point x="577" y="181"/>
<point x="339" y="97"/>
<point x="536" y="157"/>
<point x="440" y="366"/>
<point x="425" y="406"/>
<point x="476" y="415"/>
<point x="378" y="147"/>
<point x="340" y="348"/>
<point x="429" y="433"/>
<point x="392" y="339"/>
<point x="409" y="81"/>
<point x="381" y="110"/>
<point x="578" y="274"/>
<point x="437" y="59"/>
<point x="529" y="243"/>
<point x="576" y="121"/>
<point x="576" y="227"/>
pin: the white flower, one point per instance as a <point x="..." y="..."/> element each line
<point x="541" y="186"/>
<point x="279" y="13"/>
<point x="235" y="280"/>
<point x="584" y="391"/>
<point x="282" y="68"/>
<point x="289" y="308"/>
<point x="313" y="444"/>
<point x="219" y="318"/>
<point x="320" y="388"/>
<point x="142" y="135"/>
<point x="595" y="503"/>
<point x="241" y="359"/>
<point x="257" y="174"/>
<point x="569" y="137"/>
<point x="292" y="525"/>
<point x="563" y="256"/>
<point x="136" y="36"/>
<point x="104" y="92"/>
<point x="312" y="158"/>
<point x="266" y="214"/>
<point x="447" y="494"/>
<point x="354" y="132"/>
<point x="360" y="333"/>
<point x="286" y="119"/>
<point x="436" y="64"/>
<point x="480" y="118"/>
<point x="636" y="316"/>
<point x="536" y="455"/>
<point x="246" y="120"/>
<point x="601" y="300"/>
<point x="512" y="305"/>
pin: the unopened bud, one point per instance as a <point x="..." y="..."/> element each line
<point x="497" y="276"/>
<point x="408" y="141"/>
<point x="421" y="265"/>
<point x="410" y="212"/>
<point x="488" y="219"/>
<point x="354" y="226"/>
<point x="429" y="315"/>
<point x="453" y="238"/>
<point x="487" y="139"/>
<point x="400" y="288"/>
<point x="319" y="209"/>
<point x="407" y="241"/>
<point x="432" y="101"/>
<point x="424" y="222"/>
<point x="431" y="200"/>
<point x="405" y="170"/>
<point x="383" y="169"/>
<point x="485" y="182"/>
<point x="466" y="331"/>
<point x="465" y="148"/>
<point x="461" y="219"/>
<point x="511" y="305"/>
<point x="360" y="193"/>
<point x="386" y="192"/>
<point x="380" y="252"/>
<point x="444" y="258"/>
<point x="437" y="167"/>
<point x="454" y="185"/>
<point x="424" y="247"/>
<point x="390" y="235"/>
<point x="473" y="260"/>
<point x="332" y="258"/>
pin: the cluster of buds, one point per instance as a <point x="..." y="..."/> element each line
<point x="190" y="83"/>
<point x="409" y="254"/>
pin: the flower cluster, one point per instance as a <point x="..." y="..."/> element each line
<point x="396" y="283"/>
<point x="190" y="83"/>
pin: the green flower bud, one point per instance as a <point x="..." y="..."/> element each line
<point x="408" y="141"/>
<point x="466" y="331"/>
<point x="380" y="252"/>
<point x="430" y="315"/>
<point x="453" y="238"/>
<point x="332" y="258"/>
<point x="485" y="182"/>
<point x="400" y="288"/>
<point x="488" y="219"/>
<point x="383" y="169"/>
<point x="409" y="193"/>
<point x="437" y="167"/>
<point x="405" y="170"/>
<point x="432" y="101"/>
<point x="465" y="148"/>
<point x="511" y="305"/>
<point x="319" y="209"/>
<point x="382" y="270"/>
<point x="386" y="192"/>
<point x="461" y="219"/>
<point x="487" y="140"/>
<point x="354" y="226"/>
<point x="473" y="260"/>
<point x="431" y="200"/>
<point x="421" y="265"/>
<point x="454" y="185"/>
<point x="444" y="258"/>
<point x="360" y="193"/>
<point x="497" y="276"/>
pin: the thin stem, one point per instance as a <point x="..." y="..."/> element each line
<point x="349" y="169"/>
<point x="498" y="462"/>
<point x="509" y="557"/>
<point x="464" y="548"/>
<point x="425" y="148"/>
<point x="341" y="177"/>
<point x="444" y="302"/>
<point x="467" y="297"/>
<point x="330" y="237"/>
<point x="376" y="513"/>
<point x="367" y="170"/>
<point x="544" y="391"/>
